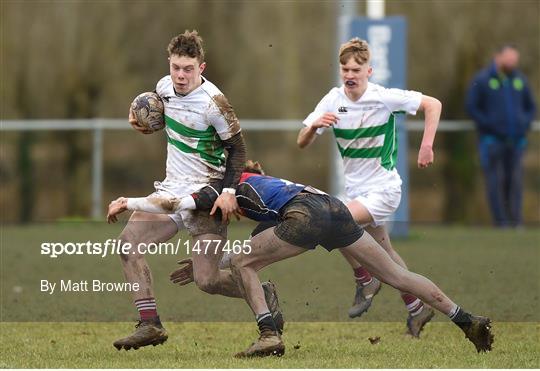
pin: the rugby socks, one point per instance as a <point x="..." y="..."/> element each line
<point x="413" y="304"/>
<point x="362" y="276"/>
<point x="147" y="309"/>
<point x="460" y="317"/>
<point x="266" y="322"/>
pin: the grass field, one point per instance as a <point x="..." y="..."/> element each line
<point x="309" y="345"/>
<point x="489" y="272"/>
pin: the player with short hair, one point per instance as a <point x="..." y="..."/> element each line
<point x="200" y="126"/>
<point x="362" y="116"/>
<point x="294" y="219"/>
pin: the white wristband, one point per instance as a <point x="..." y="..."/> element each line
<point x="229" y="190"/>
<point x="187" y="203"/>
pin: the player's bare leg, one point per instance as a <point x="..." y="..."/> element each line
<point x="419" y="314"/>
<point x="380" y="234"/>
<point x="360" y="213"/>
<point x="267" y="248"/>
<point x="378" y="262"/>
<point x="184" y="275"/>
<point x="368" y="286"/>
<point x="144" y="228"/>
<point x="367" y="251"/>
<point x="206" y="273"/>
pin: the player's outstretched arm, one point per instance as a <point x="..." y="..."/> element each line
<point x="201" y="200"/>
<point x="150" y="204"/>
<point x="308" y="134"/>
<point x="432" y="108"/>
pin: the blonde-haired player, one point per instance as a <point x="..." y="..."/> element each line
<point x="362" y="116"/>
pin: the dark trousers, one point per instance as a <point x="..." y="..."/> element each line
<point x="501" y="160"/>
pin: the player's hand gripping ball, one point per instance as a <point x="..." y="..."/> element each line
<point x="147" y="109"/>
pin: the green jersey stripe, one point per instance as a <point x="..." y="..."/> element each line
<point x="387" y="152"/>
<point x="212" y="153"/>
<point x="372" y="131"/>
<point x="208" y="134"/>
<point x="372" y="152"/>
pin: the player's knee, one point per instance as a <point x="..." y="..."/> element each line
<point x="128" y="239"/>
<point x="207" y="284"/>
<point x="207" y="278"/>
<point x="127" y="256"/>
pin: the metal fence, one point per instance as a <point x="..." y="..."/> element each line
<point x="97" y="126"/>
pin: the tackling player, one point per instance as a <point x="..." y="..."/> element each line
<point x="294" y="219"/>
<point x="362" y="116"/>
<point x="200" y="126"/>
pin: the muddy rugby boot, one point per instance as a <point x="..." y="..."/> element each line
<point x="268" y="344"/>
<point x="146" y="333"/>
<point x="363" y="297"/>
<point x="479" y="333"/>
<point x="415" y="324"/>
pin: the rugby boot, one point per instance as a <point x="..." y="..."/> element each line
<point x="479" y="333"/>
<point x="363" y="297"/>
<point x="271" y="298"/>
<point x="268" y="344"/>
<point x="146" y="333"/>
<point x="415" y="324"/>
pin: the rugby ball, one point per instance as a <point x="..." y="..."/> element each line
<point x="148" y="110"/>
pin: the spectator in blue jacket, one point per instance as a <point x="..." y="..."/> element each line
<point x="501" y="104"/>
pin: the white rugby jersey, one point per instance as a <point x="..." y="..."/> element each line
<point x="366" y="133"/>
<point x="195" y="125"/>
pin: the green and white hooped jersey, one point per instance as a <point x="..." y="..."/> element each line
<point x="366" y="134"/>
<point x="195" y="126"/>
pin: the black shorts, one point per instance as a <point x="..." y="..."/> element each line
<point x="312" y="219"/>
